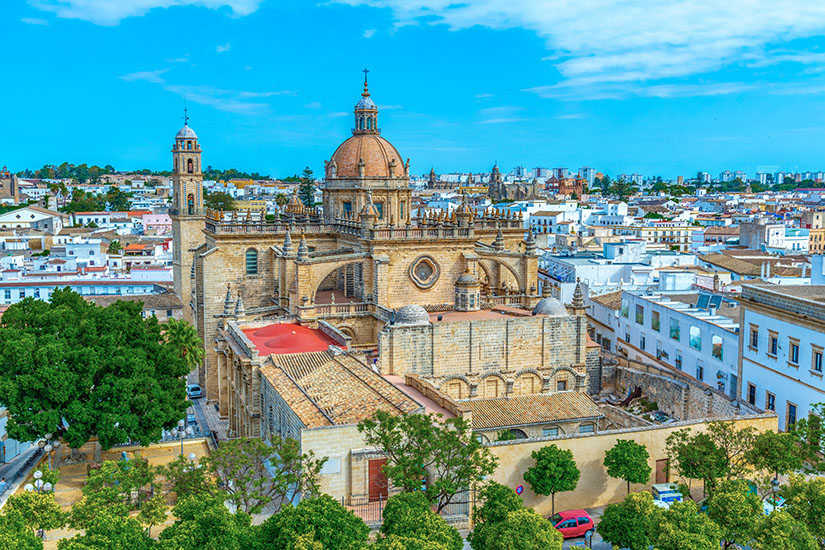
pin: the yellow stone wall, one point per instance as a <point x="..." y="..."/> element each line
<point x="595" y="487"/>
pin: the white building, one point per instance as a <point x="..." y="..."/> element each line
<point x="694" y="332"/>
<point x="782" y="341"/>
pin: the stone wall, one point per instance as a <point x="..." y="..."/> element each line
<point x="595" y="487"/>
<point x="680" y="396"/>
<point x="342" y="476"/>
<point x="472" y="348"/>
<point x="442" y="400"/>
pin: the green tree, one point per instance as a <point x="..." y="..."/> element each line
<point x="129" y="483"/>
<point x="805" y="501"/>
<point x="424" y="446"/>
<point x="498" y="501"/>
<point x="16" y="535"/>
<point x="409" y="515"/>
<point x="721" y="452"/>
<point x="109" y="531"/>
<point x="204" y="523"/>
<point x="555" y="471"/>
<point x="219" y="201"/>
<point x="115" y="247"/>
<point x="72" y="367"/>
<point x="524" y="530"/>
<point x="397" y="542"/>
<point x="628" y="460"/>
<point x="187" y="480"/>
<point x="35" y="511"/>
<point x="153" y="512"/>
<point x="183" y="337"/>
<point x="735" y="509"/>
<point x="118" y="200"/>
<point x="257" y="474"/>
<point x="780" y="531"/>
<point x="810" y="437"/>
<point x="281" y="199"/>
<point x="682" y="527"/>
<point x="775" y="453"/>
<point x="505" y="435"/>
<point x="622" y="189"/>
<point x="329" y="523"/>
<point x="629" y="524"/>
<point x="306" y="190"/>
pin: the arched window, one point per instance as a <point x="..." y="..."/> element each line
<point x="190" y="203"/>
<point x="190" y="167"/>
<point x="369" y="124"/>
<point x="361" y="123"/>
<point x="251" y="262"/>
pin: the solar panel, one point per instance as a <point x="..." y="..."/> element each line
<point x="715" y="301"/>
<point x="703" y="301"/>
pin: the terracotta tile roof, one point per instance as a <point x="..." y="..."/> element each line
<point x="740" y="267"/>
<point x="538" y="408"/>
<point x="324" y="389"/>
<point x="611" y="300"/>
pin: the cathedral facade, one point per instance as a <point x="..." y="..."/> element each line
<point x="359" y="268"/>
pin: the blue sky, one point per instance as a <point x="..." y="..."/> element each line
<point x="656" y="87"/>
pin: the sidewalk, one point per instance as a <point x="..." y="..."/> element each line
<point x="16" y="471"/>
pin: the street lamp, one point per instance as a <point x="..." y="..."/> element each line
<point x="181" y="433"/>
<point x="48" y="446"/>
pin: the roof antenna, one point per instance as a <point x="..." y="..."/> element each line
<point x="185" y="113"/>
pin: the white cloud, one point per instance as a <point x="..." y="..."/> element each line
<point x="500" y="120"/>
<point x="148" y="76"/>
<point x="233" y="101"/>
<point x="313" y="105"/>
<point x="609" y="41"/>
<point x="34" y="21"/>
<point x="572" y="116"/>
<point x="111" y="12"/>
<point x="369" y="33"/>
<point x="220" y="48"/>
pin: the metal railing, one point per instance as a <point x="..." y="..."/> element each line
<point x="371" y="510"/>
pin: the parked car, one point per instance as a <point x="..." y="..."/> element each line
<point x="572" y="523"/>
<point x="192" y="421"/>
<point x="193" y="391"/>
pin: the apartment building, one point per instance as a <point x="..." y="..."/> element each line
<point x="782" y="342"/>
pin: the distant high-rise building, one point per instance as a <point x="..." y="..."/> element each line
<point x="589" y="174"/>
<point x="704" y="177"/>
<point x="680" y="180"/>
<point x="740" y="175"/>
<point x="541" y="173"/>
<point x="763" y="177"/>
<point x="637" y="179"/>
<point x="519" y="172"/>
<point x="561" y="173"/>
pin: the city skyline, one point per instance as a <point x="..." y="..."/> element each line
<point x="267" y="93"/>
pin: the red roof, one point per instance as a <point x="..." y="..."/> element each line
<point x="283" y="338"/>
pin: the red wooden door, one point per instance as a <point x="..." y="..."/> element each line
<point x="378" y="487"/>
<point x="661" y="471"/>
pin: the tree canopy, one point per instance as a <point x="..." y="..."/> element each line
<point x="555" y="471"/>
<point x="409" y="515"/>
<point x="628" y="460"/>
<point x="80" y="370"/>
<point x="629" y="524"/>
<point x="497" y="501"/>
<point x="418" y="447"/>
<point x="306" y="191"/>
<point x="219" y="200"/>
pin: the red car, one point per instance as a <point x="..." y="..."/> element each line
<point x="572" y="523"/>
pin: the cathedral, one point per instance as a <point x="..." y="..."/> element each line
<point x="297" y="307"/>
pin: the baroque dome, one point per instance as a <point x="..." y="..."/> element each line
<point x="410" y="315"/>
<point x="378" y="155"/>
<point x="551" y="307"/>
<point x="186" y="133"/>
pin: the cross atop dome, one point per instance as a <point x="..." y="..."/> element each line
<point x="366" y="112"/>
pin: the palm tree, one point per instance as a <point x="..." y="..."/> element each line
<point x="184" y="338"/>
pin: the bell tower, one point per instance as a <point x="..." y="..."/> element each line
<point x="187" y="210"/>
